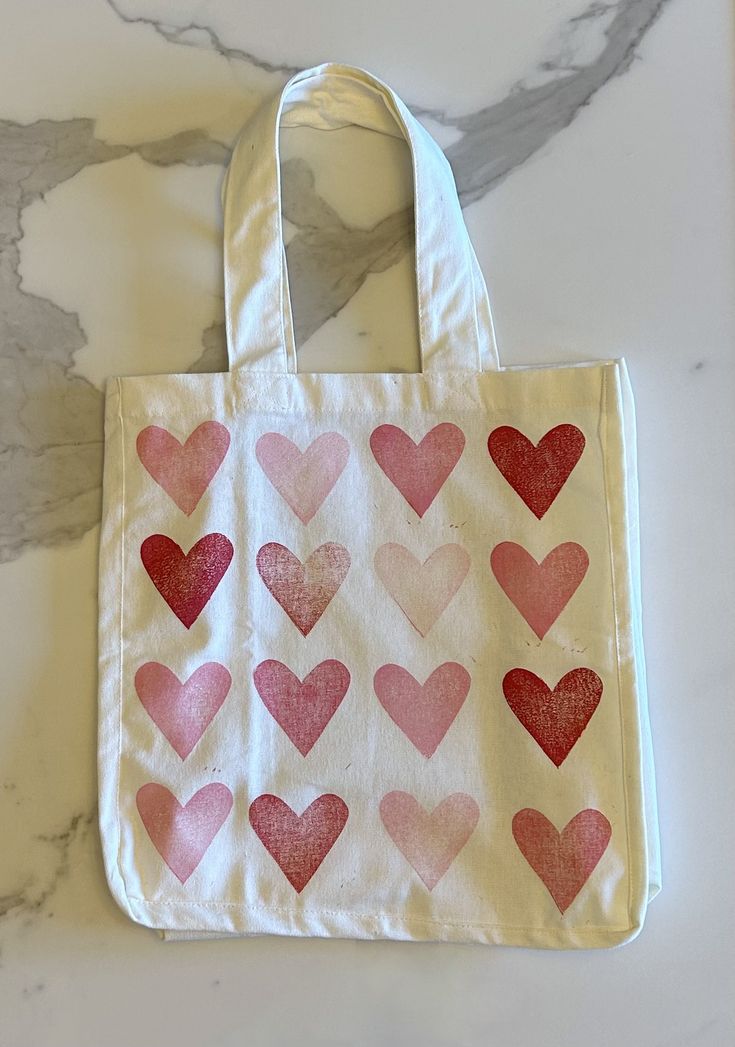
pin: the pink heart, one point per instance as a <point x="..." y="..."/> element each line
<point x="298" y="843"/>
<point x="305" y="590"/>
<point x="424" y="713"/>
<point x="303" y="479"/>
<point x="184" y="471"/>
<point x="429" y="842"/>
<point x="186" y="581"/>
<point x="182" y="835"/>
<point x="564" y="860"/>
<point x="419" y="471"/>
<point x="540" y="591"/>
<point x="303" y="710"/>
<point x="422" y="591"/>
<point x="182" y="711"/>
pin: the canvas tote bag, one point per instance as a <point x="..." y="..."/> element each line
<point x="370" y="645"/>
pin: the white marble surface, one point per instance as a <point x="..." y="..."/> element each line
<point x="592" y="143"/>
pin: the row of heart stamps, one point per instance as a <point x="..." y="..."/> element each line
<point x="430" y="841"/>
<point x="304" y="479"/>
<point x="422" y="590"/>
<point x="183" y="711"/>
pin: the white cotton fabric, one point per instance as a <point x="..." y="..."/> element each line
<point x="365" y="887"/>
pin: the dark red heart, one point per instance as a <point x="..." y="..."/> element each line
<point x="186" y="581"/>
<point x="555" y="718"/>
<point x="536" y="472"/>
<point x="298" y="843"/>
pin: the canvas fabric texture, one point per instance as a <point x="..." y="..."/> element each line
<point x="371" y="659"/>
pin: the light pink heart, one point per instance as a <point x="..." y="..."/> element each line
<point x="182" y="835"/>
<point x="302" y="709"/>
<point x="182" y="711"/>
<point x="304" y="590"/>
<point x="422" y="590"/>
<point x="423" y="712"/>
<point x="419" y="471"/>
<point x="564" y="860"/>
<point x="429" y="841"/>
<point x="184" y="471"/>
<point x="303" y="478"/>
<point x="540" y="591"/>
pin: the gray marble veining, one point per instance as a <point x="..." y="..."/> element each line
<point x="51" y="422"/>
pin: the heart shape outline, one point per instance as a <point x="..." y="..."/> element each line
<point x="563" y="861"/>
<point x="184" y="471"/>
<point x="539" y="591"/>
<point x="556" y="718"/>
<point x="302" y="708"/>
<point x="423" y="591"/>
<point x="429" y="841"/>
<point x="186" y="581"/>
<point x="536" y="472"/>
<point x="298" y="844"/>
<point x="418" y="471"/>
<point x="304" y="479"/>
<point x="182" y="711"/>
<point x="424" y="712"/>
<point x="182" y="834"/>
<point x="303" y="590"/>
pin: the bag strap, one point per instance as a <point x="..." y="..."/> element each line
<point x="455" y="324"/>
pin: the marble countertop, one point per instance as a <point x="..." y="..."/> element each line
<point x="592" y="147"/>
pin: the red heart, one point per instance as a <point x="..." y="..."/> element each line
<point x="417" y="470"/>
<point x="536" y="472"/>
<point x="303" y="710"/>
<point x="184" y="471"/>
<point x="424" y="713"/>
<point x="182" y="835"/>
<point x="298" y="843"/>
<point x="182" y="711"/>
<point x="564" y="860"/>
<point x="555" y="718"/>
<point x="540" y="591"/>
<point x="186" y="581"/>
<point x="305" y="590"/>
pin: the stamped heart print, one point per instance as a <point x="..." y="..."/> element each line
<point x="423" y="591"/>
<point x="423" y="712"/>
<point x="536" y="472"/>
<point x="185" y="470"/>
<point x="304" y="590"/>
<point x="565" y="860"/>
<point x="419" y="471"/>
<point x="555" y="718"/>
<point x="182" y="835"/>
<point x="298" y="843"/>
<point x="303" y="479"/>
<point x="540" y="591"/>
<point x="429" y="841"/>
<point x="182" y="711"/>
<point x="302" y="708"/>
<point x="186" y="581"/>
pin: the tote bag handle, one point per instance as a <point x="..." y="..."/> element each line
<point x="455" y="324"/>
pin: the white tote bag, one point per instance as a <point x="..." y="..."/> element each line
<point x="370" y="645"/>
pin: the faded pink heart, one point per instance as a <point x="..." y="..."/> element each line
<point x="184" y="471"/>
<point x="304" y="590"/>
<point x="563" y="861"/>
<point x="182" y="834"/>
<point x="422" y="590"/>
<point x="429" y="841"/>
<point x="423" y="712"/>
<point x="419" y="471"/>
<point x="302" y="709"/>
<point x="540" y="591"/>
<point x="182" y="711"/>
<point x="303" y="478"/>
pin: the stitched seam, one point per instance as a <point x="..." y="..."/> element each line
<point x="120" y="637"/>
